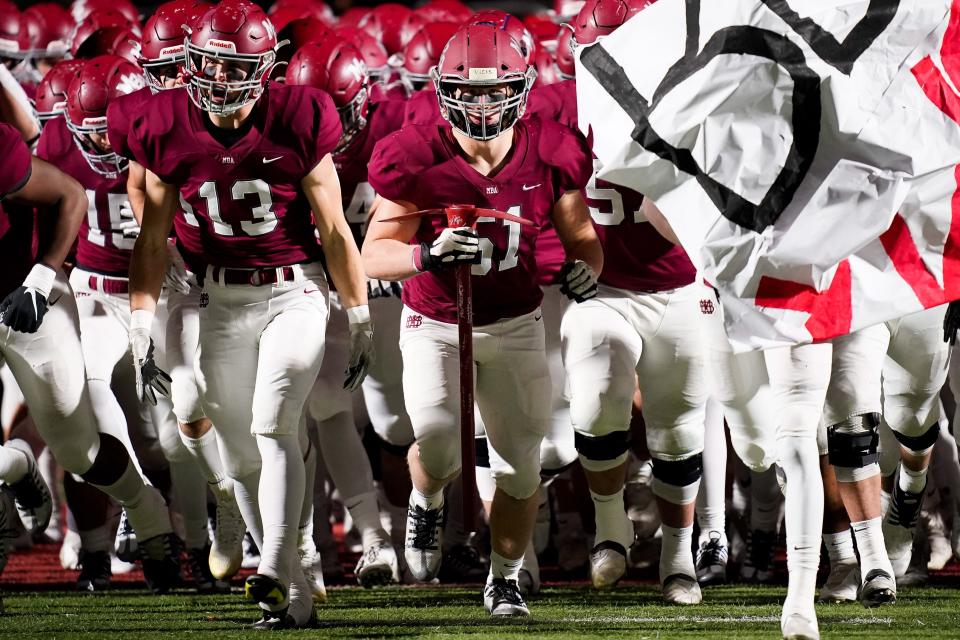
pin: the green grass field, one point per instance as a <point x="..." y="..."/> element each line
<point x="629" y="612"/>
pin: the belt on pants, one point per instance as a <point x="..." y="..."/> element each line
<point x="252" y="277"/>
<point x="106" y="284"/>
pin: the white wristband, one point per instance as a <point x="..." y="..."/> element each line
<point x="141" y="319"/>
<point x="358" y="315"/>
<point x="41" y="278"/>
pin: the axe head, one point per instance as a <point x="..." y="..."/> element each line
<point x="461" y="215"/>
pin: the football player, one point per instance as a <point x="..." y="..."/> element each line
<point x="41" y="345"/>
<point x="247" y="160"/>
<point x="535" y="169"/>
<point x="336" y="66"/>
<point x="162" y="60"/>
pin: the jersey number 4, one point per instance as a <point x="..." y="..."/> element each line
<point x="262" y="218"/>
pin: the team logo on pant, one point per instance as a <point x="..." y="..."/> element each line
<point x="414" y="321"/>
<point x="706" y="307"/>
<point x="204" y="299"/>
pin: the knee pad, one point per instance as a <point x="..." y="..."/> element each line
<point x="601" y="453"/>
<point x="556" y="456"/>
<point x="109" y="465"/>
<point x="921" y="443"/>
<point x="439" y="455"/>
<point x="852" y="443"/>
<point x="677" y="481"/>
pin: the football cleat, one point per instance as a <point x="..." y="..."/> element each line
<point x="843" y="583"/>
<point x="226" y="552"/>
<point x="263" y="589"/>
<point x="311" y="562"/>
<point x="282" y="620"/>
<point x="680" y="588"/>
<point x="70" y="551"/>
<point x="160" y="557"/>
<point x="608" y="564"/>
<point x="758" y="557"/>
<point x="95" y="571"/>
<point x="462" y="564"/>
<point x="377" y="566"/>
<point x="423" y="543"/>
<point x="797" y="626"/>
<point x="502" y="598"/>
<point x="712" y="561"/>
<point x="940" y="550"/>
<point x="125" y="542"/>
<point x="32" y="497"/>
<point x="198" y="562"/>
<point x="878" y="588"/>
<point x="898" y="526"/>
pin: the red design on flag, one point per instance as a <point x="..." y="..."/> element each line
<point x="830" y="311"/>
<point x="929" y="77"/>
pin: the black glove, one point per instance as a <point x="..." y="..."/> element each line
<point x="23" y="309"/>
<point x="578" y="281"/>
<point x="951" y="322"/>
<point x="454" y="246"/>
<point x="150" y="378"/>
<point x="383" y="289"/>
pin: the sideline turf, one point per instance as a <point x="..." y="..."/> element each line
<point x="575" y="613"/>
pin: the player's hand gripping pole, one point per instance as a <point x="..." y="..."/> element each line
<point x="464" y="215"/>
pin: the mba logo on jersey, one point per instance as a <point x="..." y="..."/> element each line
<point x="780" y="138"/>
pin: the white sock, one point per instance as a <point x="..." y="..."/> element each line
<point x="247" y="493"/>
<point x="505" y="568"/>
<point x="873" y="552"/>
<point x="206" y="452"/>
<point x="426" y="501"/>
<point x="14" y="463"/>
<point x="711" y="499"/>
<point x="676" y="555"/>
<point x="145" y="507"/>
<point x="800" y="461"/>
<point x="839" y="547"/>
<point x="912" y="481"/>
<point x="365" y="512"/>
<point x="282" y="477"/>
<point x="190" y="490"/>
<point x="612" y="521"/>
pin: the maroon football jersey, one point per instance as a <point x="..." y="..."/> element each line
<point x="384" y="118"/>
<point x="245" y="198"/>
<point x="423" y="107"/>
<point x="16" y="222"/>
<point x="101" y="246"/>
<point x="120" y="114"/>
<point x="635" y="256"/>
<point x="421" y="164"/>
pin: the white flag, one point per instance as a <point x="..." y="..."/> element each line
<point x="804" y="151"/>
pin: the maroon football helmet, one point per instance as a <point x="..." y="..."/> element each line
<point x="51" y="98"/>
<point x="231" y="49"/>
<point x="599" y="18"/>
<point x="99" y="81"/>
<point x="353" y="16"/>
<point x="9" y="30"/>
<point x="283" y="11"/>
<point x="45" y="31"/>
<point x="118" y="41"/>
<point x="483" y="81"/>
<point x="444" y="11"/>
<point x="422" y="53"/>
<point x="335" y="66"/>
<point x="547" y="72"/>
<point x="80" y="9"/>
<point x="392" y="24"/>
<point x="162" y="52"/>
<point x="297" y="34"/>
<point x="512" y="25"/>
<point x="544" y="31"/>
<point x="564" y="55"/>
<point x="97" y="21"/>
<point x="374" y="54"/>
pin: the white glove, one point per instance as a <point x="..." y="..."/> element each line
<point x="361" y="346"/>
<point x="578" y="281"/>
<point x="150" y="377"/>
<point x="453" y="246"/>
<point x="177" y="278"/>
<point x="128" y="226"/>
